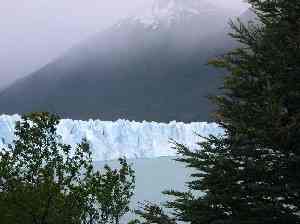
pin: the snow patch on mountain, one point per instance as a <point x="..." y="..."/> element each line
<point x="110" y="140"/>
<point x="166" y="12"/>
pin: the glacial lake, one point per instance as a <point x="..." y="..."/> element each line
<point x="152" y="177"/>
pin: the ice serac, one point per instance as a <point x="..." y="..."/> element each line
<point x="111" y="140"/>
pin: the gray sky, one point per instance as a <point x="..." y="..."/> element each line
<point x="34" y="32"/>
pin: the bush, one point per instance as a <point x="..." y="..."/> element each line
<point x="45" y="181"/>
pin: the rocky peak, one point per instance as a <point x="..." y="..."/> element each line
<point x="165" y="12"/>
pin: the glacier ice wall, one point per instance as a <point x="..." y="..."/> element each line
<point x="111" y="140"/>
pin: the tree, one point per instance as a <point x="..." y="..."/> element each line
<point x="113" y="190"/>
<point x="45" y="181"/>
<point x="153" y="214"/>
<point x="251" y="174"/>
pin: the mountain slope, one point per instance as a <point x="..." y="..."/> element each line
<point x="151" y="66"/>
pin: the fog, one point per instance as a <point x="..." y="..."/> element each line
<point x="34" y="32"/>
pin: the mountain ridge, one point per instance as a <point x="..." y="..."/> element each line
<point x="130" y="71"/>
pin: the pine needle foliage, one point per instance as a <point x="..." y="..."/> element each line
<point x="252" y="173"/>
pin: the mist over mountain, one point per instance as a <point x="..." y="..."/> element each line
<point x="150" y="66"/>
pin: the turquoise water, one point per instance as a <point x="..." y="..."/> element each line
<point x="154" y="176"/>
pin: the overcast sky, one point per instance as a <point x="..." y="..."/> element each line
<point x="34" y="32"/>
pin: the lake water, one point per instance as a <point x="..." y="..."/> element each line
<point x="152" y="177"/>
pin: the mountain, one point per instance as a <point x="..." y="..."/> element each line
<point x="149" y="66"/>
<point x="249" y="15"/>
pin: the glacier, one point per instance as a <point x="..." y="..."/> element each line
<point x="110" y="140"/>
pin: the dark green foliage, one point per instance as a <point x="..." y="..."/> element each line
<point x="44" y="181"/>
<point x="113" y="190"/>
<point x="153" y="214"/>
<point x="252" y="174"/>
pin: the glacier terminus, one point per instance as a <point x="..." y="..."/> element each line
<point x="110" y="140"/>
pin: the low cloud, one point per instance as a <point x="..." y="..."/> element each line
<point x="33" y="33"/>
